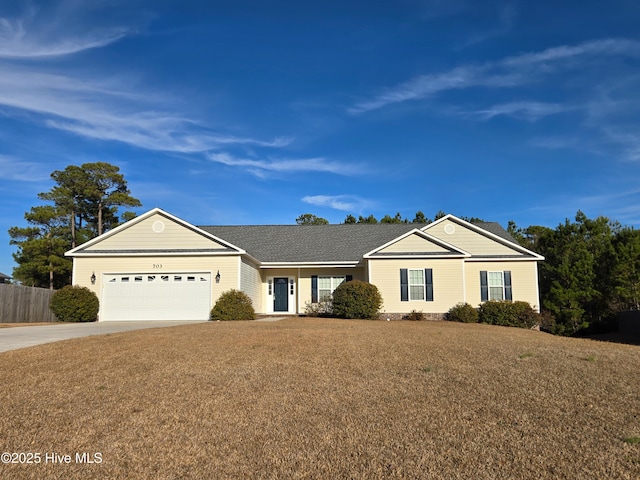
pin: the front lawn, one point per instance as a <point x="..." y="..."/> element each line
<point x="324" y="398"/>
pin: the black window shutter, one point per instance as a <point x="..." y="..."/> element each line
<point x="428" y="275"/>
<point x="484" y="286"/>
<point x="508" y="295"/>
<point x="349" y="278"/>
<point x="314" y="289"/>
<point x="404" y="285"/>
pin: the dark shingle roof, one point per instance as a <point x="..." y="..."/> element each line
<point x="496" y="229"/>
<point x="310" y="243"/>
<point x="320" y="243"/>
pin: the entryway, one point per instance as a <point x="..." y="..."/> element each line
<point x="281" y="294"/>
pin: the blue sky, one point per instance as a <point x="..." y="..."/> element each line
<point x="254" y="112"/>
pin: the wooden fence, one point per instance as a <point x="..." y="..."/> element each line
<point x="20" y="304"/>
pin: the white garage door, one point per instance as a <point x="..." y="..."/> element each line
<point x="153" y="296"/>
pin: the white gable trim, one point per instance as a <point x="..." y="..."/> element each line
<point x="77" y="251"/>
<point x="486" y="233"/>
<point x="426" y="236"/>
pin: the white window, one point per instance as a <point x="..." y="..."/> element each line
<point x="416" y="284"/>
<point x="496" y="285"/>
<point x="326" y="286"/>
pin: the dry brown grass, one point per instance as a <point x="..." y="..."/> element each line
<point x="321" y="398"/>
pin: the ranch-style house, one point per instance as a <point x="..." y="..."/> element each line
<point x="159" y="267"/>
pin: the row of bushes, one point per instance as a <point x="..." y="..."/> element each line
<point x="505" y="313"/>
<point x="355" y="299"/>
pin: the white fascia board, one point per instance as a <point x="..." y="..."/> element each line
<point x="417" y="257"/>
<point x="153" y="254"/>
<point x="266" y="265"/>
<point x="498" y="259"/>
<point x="134" y="221"/>
<point x="424" y="235"/>
<point x="482" y="231"/>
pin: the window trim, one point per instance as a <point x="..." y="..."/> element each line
<point x="423" y="284"/>
<point x="405" y="285"/>
<point x="494" y="286"/>
<point x="485" y="286"/>
<point x="332" y="286"/>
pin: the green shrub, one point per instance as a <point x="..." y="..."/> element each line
<point x="462" y="312"/>
<point x="233" y="305"/>
<point x="414" y="315"/>
<point x="356" y="299"/>
<point x="74" y="304"/>
<point x="508" y="314"/>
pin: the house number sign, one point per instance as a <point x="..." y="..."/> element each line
<point x="157" y="265"/>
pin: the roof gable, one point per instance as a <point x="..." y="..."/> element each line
<point x="483" y="240"/>
<point x="416" y="243"/>
<point x="155" y="231"/>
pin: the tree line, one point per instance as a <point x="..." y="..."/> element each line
<point x="311" y="219"/>
<point x="83" y="204"/>
<point x="591" y="269"/>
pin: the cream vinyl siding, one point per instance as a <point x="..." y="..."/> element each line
<point x="142" y="235"/>
<point x="469" y="240"/>
<point x="305" y="280"/>
<point x="524" y="279"/>
<point x="251" y="284"/>
<point x="84" y="267"/>
<point x="448" y="284"/>
<point x="413" y="243"/>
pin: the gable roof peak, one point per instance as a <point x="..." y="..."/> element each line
<point x="144" y="216"/>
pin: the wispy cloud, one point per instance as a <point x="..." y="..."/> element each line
<point x="59" y="30"/>
<point x="104" y="111"/>
<point x="628" y="141"/>
<point x="509" y="72"/>
<point x="105" y="108"/>
<point x="261" y="168"/>
<point x="604" y="47"/>
<point x="12" y="168"/>
<point x="622" y="205"/>
<point x="430" y="85"/>
<point x="345" y="203"/>
<point x="530" y="111"/>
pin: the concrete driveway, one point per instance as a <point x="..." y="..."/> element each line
<point x="21" y="337"/>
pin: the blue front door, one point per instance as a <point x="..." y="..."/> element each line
<point x="280" y="295"/>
